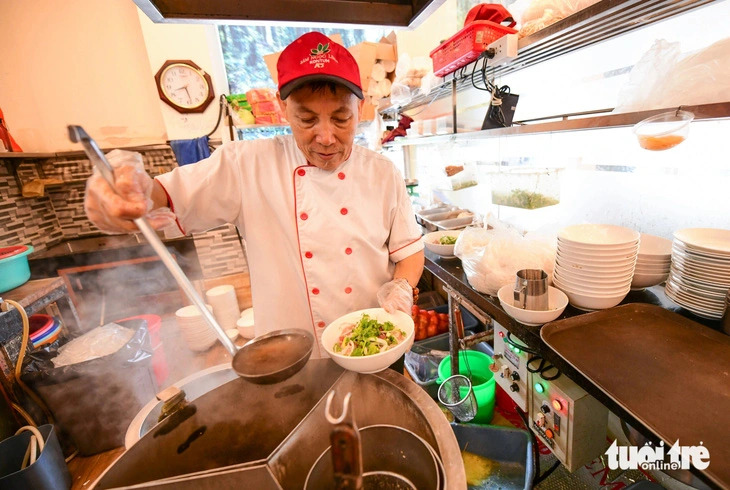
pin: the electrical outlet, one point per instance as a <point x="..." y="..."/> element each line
<point x="505" y="48"/>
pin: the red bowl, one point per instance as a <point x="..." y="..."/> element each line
<point x="40" y="324"/>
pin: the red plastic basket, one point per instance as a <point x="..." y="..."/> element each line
<point x="466" y="45"/>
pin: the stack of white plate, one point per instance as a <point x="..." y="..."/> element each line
<point x="225" y="305"/>
<point x="653" y="261"/>
<point x="195" y="330"/>
<point x="594" y="264"/>
<point x="700" y="274"/>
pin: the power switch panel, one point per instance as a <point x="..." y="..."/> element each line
<point x="568" y="420"/>
<point x="510" y="367"/>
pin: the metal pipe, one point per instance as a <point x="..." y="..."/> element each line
<point x="78" y="135"/>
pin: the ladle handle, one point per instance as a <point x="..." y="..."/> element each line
<point x="346" y="457"/>
<point x="78" y="135"/>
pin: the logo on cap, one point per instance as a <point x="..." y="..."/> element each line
<point x="321" y="49"/>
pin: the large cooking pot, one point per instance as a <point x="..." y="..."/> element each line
<point x="386" y="450"/>
<point x="243" y="435"/>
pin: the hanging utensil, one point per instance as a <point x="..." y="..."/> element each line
<point x="346" y="448"/>
<point x="252" y="361"/>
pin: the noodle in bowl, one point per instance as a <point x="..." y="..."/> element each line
<point x="374" y="362"/>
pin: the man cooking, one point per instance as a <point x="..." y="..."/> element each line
<point x="328" y="225"/>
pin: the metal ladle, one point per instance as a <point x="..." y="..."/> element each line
<point x="293" y="346"/>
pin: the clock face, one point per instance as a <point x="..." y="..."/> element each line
<point x="184" y="86"/>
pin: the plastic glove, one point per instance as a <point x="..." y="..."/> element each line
<point x="396" y="295"/>
<point x="112" y="209"/>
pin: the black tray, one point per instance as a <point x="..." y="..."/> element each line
<point x="670" y="373"/>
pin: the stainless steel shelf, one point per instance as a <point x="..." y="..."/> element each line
<point x="720" y="110"/>
<point x="599" y="22"/>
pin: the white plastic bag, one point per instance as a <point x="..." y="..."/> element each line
<point x="665" y="79"/>
<point x="491" y="258"/>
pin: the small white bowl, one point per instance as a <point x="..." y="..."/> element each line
<point x="590" y="289"/>
<point x="431" y="241"/>
<point x="652" y="246"/>
<point x="376" y="362"/>
<point x="581" y="275"/>
<point x="647" y="280"/>
<point x="245" y="324"/>
<point x="592" y="283"/>
<point x="557" y="301"/>
<point x="591" y="301"/>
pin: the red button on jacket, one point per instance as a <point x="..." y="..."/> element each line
<point x="343" y="211"/>
<point x="301" y="172"/>
<point x="304" y="216"/>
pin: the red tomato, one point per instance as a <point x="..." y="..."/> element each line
<point x="431" y="313"/>
<point x="432" y="329"/>
<point x="414" y="311"/>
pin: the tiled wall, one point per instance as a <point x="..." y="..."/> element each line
<point x="59" y="215"/>
<point x="25" y="221"/>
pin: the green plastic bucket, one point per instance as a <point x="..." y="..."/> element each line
<point x="14" y="268"/>
<point x="482" y="381"/>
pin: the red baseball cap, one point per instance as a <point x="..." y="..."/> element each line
<point x="315" y="57"/>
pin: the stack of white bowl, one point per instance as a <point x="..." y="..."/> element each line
<point x="195" y="330"/>
<point x="225" y="305"/>
<point x="653" y="261"/>
<point x="700" y="274"/>
<point x="595" y="263"/>
<point x="245" y="324"/>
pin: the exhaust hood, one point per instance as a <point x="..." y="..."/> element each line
<point x="390" y="13"/>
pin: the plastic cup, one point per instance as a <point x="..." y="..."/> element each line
<point x="456" y="394"/>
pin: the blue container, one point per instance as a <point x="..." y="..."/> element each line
<point x="14" y="270"/>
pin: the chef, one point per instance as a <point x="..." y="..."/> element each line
<point x="328" y="225"/>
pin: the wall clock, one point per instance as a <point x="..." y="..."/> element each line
<point x="184" y="86"/>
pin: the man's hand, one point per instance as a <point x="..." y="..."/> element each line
<point x="112" y="209"/>
<point x="396" y="295"/>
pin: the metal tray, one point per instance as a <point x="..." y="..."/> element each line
<point x="670" y="373"/>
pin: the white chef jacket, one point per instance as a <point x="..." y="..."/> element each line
<point x="319" y="243"/>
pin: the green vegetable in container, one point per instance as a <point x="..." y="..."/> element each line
<point x="447" y="240"/>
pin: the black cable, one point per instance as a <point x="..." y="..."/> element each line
<point x="542" y="368"/>
<point x="222" y="100"/>
<point x="547" y="473"/>
<point x="533" y="439"/>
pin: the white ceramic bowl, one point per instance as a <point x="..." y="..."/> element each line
<point x="595" y="267"/>
<point x="245" y="324"/>
<point x="557" y="301"/>
<point x="581" y="275"/>
<point x="647" y="269"/>
<point x="603" y="260"/>
<point x="649" y="260"/>
<point x="589" y="289"/>
<point x="376" y="362"/>
<point x="613" y="251"/>
<point x="594" y="302"/>
<point x="592" y="283"/>
<point x="654" y="246"/>
<point x="431" y="241"/>
<point x="647" y="280"/>
<point x="598" y="236"/>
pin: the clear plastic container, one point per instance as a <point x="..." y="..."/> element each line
<point x="663" y="131"/>
<point x="526" y="188"/>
